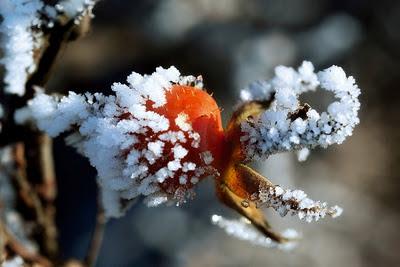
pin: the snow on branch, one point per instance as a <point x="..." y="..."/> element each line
<point x="18" y="41"/>
<point x="22" y="30"/>
<point x="287" y="124"/>
<point x="294" y="202"/>
<point x="158" y="135"/>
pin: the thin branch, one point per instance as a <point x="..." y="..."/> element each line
<point x="35" y="174"/>
<point x="27" y="193"/>
<point x="2" y="244"/>
<point x="97" y="238"/>
<point x="44" y="210"/>
<point x="54" y="42"/>
<point x="19" y="249"/>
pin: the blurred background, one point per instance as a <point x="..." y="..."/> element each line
<point x="231" y="43"/>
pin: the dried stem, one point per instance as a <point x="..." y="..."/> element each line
<point x="26" y="192"/>
<point x="40" y="173"/>
<point x="19" y="249"/>
<point x="97" y="239"/>
<point x="34" y="199"/>
<point x="53" y="43"/>
<point x="2" y="243"/>
<point x="35" y="174"/>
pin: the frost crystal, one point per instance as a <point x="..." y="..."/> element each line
<point x="287" y="125"/>
<point x="134" y="146"/>
<point x="303" y="154"/>
<point x="294" y="202"/>
<point x="76" y="8"/>
<point x="243" y="230"/>
<point x="22" y="25"/>
<point x="19" y="41"/>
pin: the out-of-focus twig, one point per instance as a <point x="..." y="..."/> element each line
<point x="40" y="174"/>
<point x="33" y="154"/>
<point x="26" y="192"/>
<point x="2" y="244"/>
<point x="19" y="249"/>
<point x="31" y="196"/>
<point x="35" y="176"/>
<point x="38" y="146"/>
<point x="97" y="239"/>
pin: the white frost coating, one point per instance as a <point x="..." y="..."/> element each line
<point x="133" y="148"/>
<point x="156" y="199"/>
<point x="303" y="154"/>
<point x="179" y="151"/>
<point x="18" y="41"/>
<point x="22" y="25"/>
<point x="76" y="8"/>
<point x="286" y="125"/>
<point x="243" y="230"/>
<point x="181" y="122"/>
<point x="294" y="202"/>
<point x="156" y="148"/>
<point x="110" y="201"/>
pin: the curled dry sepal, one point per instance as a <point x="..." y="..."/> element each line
<point x="160" y="134"/>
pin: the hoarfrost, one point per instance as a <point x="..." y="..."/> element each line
<point x="22" y="25"/>
<point x="287" y="125"/>
<point x="243" y="230"/>
<point x="133" y="147"/>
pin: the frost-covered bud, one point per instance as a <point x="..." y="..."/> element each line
<point x="157" y="136"/>
<point x="287" y="124"/>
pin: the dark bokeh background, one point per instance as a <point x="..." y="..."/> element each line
<point x="233" y="42"/>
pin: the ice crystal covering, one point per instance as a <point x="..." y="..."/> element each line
<point x="243" y="230"/>
<point x="294" y="202"/>
<point x="19" y="41"/>
<point x="134" y="148"/>
<point x="75" y="9"/>
<point x="287" y="125"/>
<point x="22" y="25"/>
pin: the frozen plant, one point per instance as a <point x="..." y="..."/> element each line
<point x="155" y="137"/>
<point x="160" y="134"/>
<point x="143" y="140"/>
